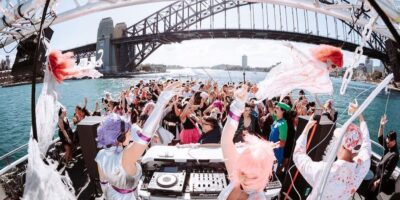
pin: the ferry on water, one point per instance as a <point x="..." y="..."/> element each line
<point x="299" y="128"/>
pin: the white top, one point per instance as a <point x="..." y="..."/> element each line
<point x="227" y="191"/>
<point x="344" y="177"/>
<point x="110" y="161"/>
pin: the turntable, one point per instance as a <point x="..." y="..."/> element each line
<point x="167" y="181"/>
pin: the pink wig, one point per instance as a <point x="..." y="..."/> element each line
<point x="352" y="139"/>
<point x="325" y="52"/>
<point x="61" y="65"/>
<point x="148" y="108"/>
<point x="257" y="160"/>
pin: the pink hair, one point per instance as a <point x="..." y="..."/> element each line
<point x="61" y="64"/>
<point x="257" y="158"/>
<point x="324" y="52"/>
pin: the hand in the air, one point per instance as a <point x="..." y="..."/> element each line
<point x="352" y="107"/>
<point x="170" y="91"/>
<point x="311" y="122"/>
<point x="241" y="94"/>
<point x="384" y="120"/>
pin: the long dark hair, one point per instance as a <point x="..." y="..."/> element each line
<point x="197" y="98"/>
<point x="60" y="111"/>
<point x="213" y="121"/>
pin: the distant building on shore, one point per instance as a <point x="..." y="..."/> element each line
<point x="244" y="61"/>
<point x="380" y="68"/>
<point x="5" y="64"/>
<point x="152" y="68"/>
<point x="362" y="68"/>
<point x="369" y="65"/>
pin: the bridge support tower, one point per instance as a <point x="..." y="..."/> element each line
<point x="394" y="59"/>
<point x="104" y="36"/>
<point x="114" y="56"/>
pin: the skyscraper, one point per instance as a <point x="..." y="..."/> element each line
<point x="369" y="65"/>
<point x="244" y="61"/>
<point x="8" y="62"/>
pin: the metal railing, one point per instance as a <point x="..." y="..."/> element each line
<point x="7" y="158"/>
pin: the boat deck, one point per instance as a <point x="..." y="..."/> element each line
<point x="84" y="188"/>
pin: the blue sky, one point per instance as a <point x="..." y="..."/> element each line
<point x="262" y="53"/>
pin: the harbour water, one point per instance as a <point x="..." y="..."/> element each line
<point x="15" y="118"/>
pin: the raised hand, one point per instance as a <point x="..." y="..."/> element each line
<point x="384" y="120"/>
<point x="311" y="122"/>
<point x="237" y="106"/>
<point x="352" y="107"/>
<point x="170" y="91"/>
<point x="241" y="94"/>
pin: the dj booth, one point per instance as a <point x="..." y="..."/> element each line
<point x="171" y="172"/>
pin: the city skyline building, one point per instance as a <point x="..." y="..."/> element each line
<point x="244" y="61"/>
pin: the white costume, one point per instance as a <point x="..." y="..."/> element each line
<point x="344" y="177"/>
<point x="227" y="191"/>
<point x="110" y="161"/>
<point x="307" y="73"/>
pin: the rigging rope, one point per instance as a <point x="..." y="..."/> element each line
<point x="386" y="106"/>
<point x="209" y="76"/>
<point x="229" y="73"/>
<point x="387" y="100"/>
<point x="33" y="91"/>
<point x="297" y="171"/>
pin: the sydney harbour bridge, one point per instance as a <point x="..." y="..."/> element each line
<point x="125" y="47"/>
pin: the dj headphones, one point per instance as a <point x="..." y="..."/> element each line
<point x="121" y="138"/>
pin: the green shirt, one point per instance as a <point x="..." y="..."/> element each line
<point x="282" y="127"/>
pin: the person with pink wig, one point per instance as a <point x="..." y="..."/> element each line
<point x="249" y="170"/>
<point x="347" y="172"/>
<point x="117" y="162"/>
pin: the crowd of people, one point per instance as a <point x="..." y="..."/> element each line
<point x="197" y="112"/>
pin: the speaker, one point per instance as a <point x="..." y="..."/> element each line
<point x="24" y="60"/>
<point x="87" y="132"/>
<point x="321" y="139"/>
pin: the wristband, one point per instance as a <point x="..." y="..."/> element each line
<point x="237" y="108"/>
<point x="140" y="138"/>
<point x="233" y="116"/>
<point x="233" y="120"/>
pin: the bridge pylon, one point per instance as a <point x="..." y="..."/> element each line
<point x="394" y="58"/>
<point x="104" y="36"/>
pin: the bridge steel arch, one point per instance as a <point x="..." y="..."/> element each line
<point x="183" y="19"/>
